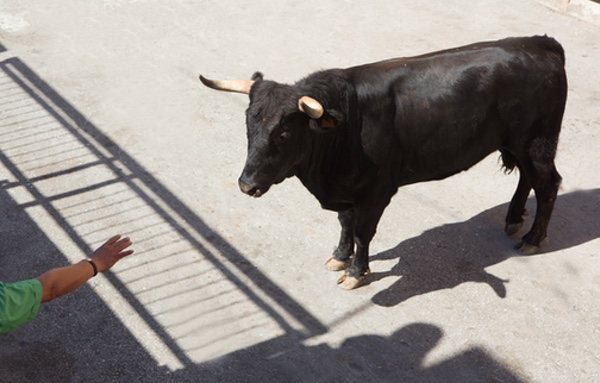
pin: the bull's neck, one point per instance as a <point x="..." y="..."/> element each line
<point x="332" y="160"/>
<point x="330" y="165"/>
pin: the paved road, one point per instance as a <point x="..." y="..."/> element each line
<point x="104" y="127"/>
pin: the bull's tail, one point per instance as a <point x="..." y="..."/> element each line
<point x="509" y="162"/>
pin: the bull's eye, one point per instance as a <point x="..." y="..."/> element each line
<point x="281" y="138"/>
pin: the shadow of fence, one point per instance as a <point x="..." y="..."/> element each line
<point x="189" y="285"/>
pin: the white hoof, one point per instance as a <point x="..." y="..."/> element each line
<point x="347" y="282"/>
<point x="333" y="264"/>
<point x="513" y="228"/>
<point x="527" y="249"/>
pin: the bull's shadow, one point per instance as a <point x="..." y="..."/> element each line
<point x="448" y="255"/>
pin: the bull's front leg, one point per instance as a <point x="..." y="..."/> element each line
<point x="342" y="253"/>
<point x="366" y="219"/>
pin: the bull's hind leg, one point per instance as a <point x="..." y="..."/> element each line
<point x="541" y="173"/>
<point x="516" y="209"/>
<point x="342" y="253"/>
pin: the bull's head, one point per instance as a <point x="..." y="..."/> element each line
<point x="277" y="123"/>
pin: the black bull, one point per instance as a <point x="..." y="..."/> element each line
<point x="353" y="136"/>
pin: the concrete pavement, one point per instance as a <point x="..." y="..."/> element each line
<point x="104" y="127"/>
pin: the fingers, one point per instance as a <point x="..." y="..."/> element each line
<point x="122" y="244"/>
<point x="118" y="243"/>
<point x="112" y="240"/>
<point x="123" y="254"/>
<point x="111" y="252"/>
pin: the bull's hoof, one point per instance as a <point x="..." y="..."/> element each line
<point x="333" y="264"/>
<point x="525" y="248"/>
<point x="348" y="282"/>
<point x="513" y="228"/>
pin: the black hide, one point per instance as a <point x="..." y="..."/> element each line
<point x="408" y="120"/>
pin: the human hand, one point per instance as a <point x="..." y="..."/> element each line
<point x="111" y="252"/>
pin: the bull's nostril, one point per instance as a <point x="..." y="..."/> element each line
<point x="246" y="188"/>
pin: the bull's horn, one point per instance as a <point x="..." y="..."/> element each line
<point x="238" y="86"/>
<point x="310" y="106"/>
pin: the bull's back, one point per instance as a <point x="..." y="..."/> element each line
<point x="438" y="114"/>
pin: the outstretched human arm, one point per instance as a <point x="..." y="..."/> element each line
<point x="62" y="280"/>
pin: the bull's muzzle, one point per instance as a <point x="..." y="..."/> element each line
<point x="249" y="189"/>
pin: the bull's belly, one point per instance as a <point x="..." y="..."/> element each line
<point x="440" y="165"/>
<point x="436" y="149"/>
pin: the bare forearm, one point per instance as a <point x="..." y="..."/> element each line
<point x="62" y="280"/>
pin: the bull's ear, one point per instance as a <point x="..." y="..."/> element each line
<point x="320" y="118"/>
<point x="330" y="119"/>
<point x="257" y="76"/>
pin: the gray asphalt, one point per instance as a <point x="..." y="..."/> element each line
<point x="104" y="128"/>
